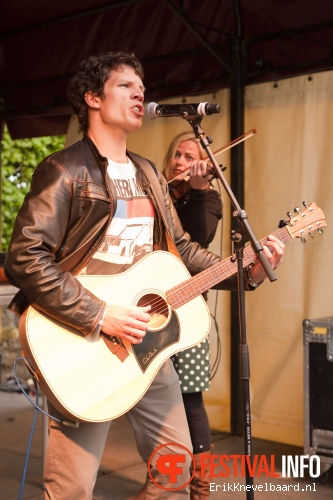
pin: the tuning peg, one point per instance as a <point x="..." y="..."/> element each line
<point x="303" y="240"/>
<point x="289" y="215"/>
<point x="297" y="210"/>
<point x="304" y="204"/>
<point x="320" y="231"/>
<point x="310" y="231"/>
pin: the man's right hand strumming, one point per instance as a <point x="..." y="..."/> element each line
<point x="126" y="322"/>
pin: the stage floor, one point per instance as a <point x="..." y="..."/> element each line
<point x="122" y="471"/>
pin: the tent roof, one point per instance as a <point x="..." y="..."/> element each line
<point x="187" y="47"/>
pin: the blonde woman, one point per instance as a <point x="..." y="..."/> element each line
<point x="199" y="208"/>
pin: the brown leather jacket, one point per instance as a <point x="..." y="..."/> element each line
<point x="62" y="222"/>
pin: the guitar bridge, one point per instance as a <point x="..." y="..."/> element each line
<point x="116" y="346"/>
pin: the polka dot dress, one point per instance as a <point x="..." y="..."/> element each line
<point x="193" y="367"/>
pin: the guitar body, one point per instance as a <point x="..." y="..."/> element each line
<point x="89" y="381"/>
<point x="80" y="375"/>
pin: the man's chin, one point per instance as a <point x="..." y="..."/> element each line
<point x="135" y="126"/>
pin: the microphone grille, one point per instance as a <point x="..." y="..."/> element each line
<point x="151" y="110"/>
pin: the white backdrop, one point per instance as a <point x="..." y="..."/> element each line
<point x="288" y="160"/>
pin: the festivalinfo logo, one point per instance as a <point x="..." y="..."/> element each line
<point x="170" y="466"/>
<point x="261" y="465"/>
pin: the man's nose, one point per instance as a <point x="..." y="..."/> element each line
<point x="139" y="95"/>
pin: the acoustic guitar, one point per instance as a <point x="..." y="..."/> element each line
<point x="86" y="380"/>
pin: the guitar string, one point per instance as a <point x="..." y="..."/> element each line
<point x="222" y="270"/>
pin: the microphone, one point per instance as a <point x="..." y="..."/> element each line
<point x="187" y="111"/>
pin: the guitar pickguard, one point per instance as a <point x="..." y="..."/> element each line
<point x="156" y="341"/>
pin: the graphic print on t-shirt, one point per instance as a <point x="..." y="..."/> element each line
<point x="130" y="234"/>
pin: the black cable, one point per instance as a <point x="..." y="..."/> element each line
<point x="216" y="363"/>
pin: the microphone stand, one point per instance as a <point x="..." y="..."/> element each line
<point x="238" y="244"/>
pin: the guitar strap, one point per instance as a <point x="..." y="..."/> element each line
<point x="171" y="246"/>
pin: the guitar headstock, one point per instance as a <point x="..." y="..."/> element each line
<point x="305" y="222"/>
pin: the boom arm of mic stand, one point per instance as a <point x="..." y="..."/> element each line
<point x="238" y="212"/>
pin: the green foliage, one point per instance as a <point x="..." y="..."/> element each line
<point x="19" y="159"/>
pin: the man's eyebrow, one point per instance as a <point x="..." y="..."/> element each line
<point x="130" y="82"/>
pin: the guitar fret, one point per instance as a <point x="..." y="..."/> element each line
<point x="200" y="283"/>
<point x="191" y="288"/>
<point x="231" y="265"/>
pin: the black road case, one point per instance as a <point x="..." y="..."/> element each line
<point x="318" y="389"/>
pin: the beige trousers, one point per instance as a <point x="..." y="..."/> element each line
<point x="74" y="455"/>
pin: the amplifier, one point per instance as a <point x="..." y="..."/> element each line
<point x="318" y="389"/>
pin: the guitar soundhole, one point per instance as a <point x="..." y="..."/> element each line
<point x="160" y="311"/>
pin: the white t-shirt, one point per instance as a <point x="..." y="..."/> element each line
<point x="130" y="235"/>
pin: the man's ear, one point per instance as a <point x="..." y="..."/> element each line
<point x="92" y="100"/>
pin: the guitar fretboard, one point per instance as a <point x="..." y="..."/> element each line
<point x="194" y="286"/>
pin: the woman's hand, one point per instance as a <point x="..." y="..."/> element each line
<point x="197" y="173"/>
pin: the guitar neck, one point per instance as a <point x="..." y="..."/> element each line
<point x="191" y="288"/>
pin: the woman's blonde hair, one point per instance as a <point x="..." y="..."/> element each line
<point x="184" y="136"/>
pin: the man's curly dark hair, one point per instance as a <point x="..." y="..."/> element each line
<point x="92" y="76"/>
